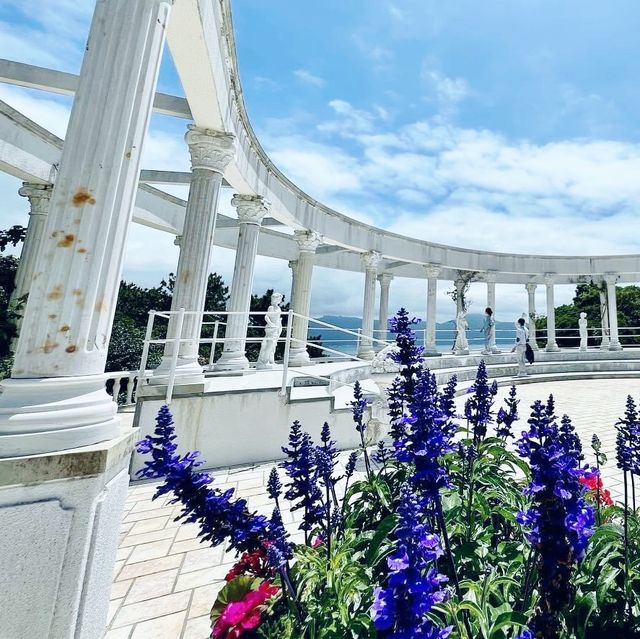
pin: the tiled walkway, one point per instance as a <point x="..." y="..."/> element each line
<point x="166" y="581"/>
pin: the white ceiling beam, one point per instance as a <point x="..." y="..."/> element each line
<point x="62" y="83"/>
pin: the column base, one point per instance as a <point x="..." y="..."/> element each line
<point x="43" y="415"/>
<point x="60" y="514"/>
<point x="431" y="351"/>
<point x="552" y="348"/>
<point x="299" y="357"/>
<point x="188" y="371"/>
<point x="615" y="346"/>
<point x="367" y="353"/>
<point x="231" y="361"/>
<point x="464" y="351"/>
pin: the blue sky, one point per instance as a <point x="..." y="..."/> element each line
<point x="499" y="125"/>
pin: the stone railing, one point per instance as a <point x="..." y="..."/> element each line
<point x="122" y="386"/>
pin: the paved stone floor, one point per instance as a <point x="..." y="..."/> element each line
<point x="165" y="581"/>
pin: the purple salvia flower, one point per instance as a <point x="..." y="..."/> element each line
<point x="506" y="418"/>
<point x="220" y="517"/>
<point x="413" y="586"/>
<point x="559" y="521"/>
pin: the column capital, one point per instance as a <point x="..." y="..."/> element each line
<point x="610" y="278"/>
<point x="385" y="279"/>
<point x="308" y="241"/>
<point x="531" y="287"/>
<point x="39" y="196"/>
<point x="549" y="278"/>
<point x="490" y="277"/>
<point x="371" y="260"/>
<point x="432" y="270"/>
<point x="209" y="149"/>
<point x="251" y="208"/>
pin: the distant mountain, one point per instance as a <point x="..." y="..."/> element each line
<point x="445" y="332"/>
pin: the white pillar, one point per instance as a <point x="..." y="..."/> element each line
<point x="210" y="151"/>
<point x="293" y="265"/>
<point x="370" y="261"/>
<point x="251" y="211"/>
<point x="66" y="326"/>
<point x="39" y="197"/>
<point x="552" y="346"/>
<point x="432" y="271"/>
<point x="60" y="512"/>
<point x="531" y="293"/>
<point x="612" y="303"/>
<point x="308" y="242"/>
<point x="604" y="321"/>
<point x="490" y="279"/>
<point x="385" y="280"/>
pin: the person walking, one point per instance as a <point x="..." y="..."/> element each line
<point x="520" y="347"/>
<point x="488" y="329"/>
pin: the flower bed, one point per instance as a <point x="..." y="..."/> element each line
<point x="477" y="526"/>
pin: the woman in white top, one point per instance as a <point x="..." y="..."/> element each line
<point x="520" y="347"/>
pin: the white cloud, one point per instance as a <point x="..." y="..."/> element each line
<point x="447" y="91"/>
<point x="306" y="77"/>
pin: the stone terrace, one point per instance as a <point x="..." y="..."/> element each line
<point x="166" y="581"/>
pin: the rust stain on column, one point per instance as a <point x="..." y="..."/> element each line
<point x="56" y="293"/>
<point x="67" y="240"/>
<point x="82" y="197"/>
<point x="49" y="345"/>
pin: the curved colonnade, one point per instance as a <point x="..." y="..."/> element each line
<point x="62" y="446"/>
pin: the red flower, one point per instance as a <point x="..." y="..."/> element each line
<point x="238" y="616"/>
<point x="251" y="563"/>
<point x="594" y="484"/>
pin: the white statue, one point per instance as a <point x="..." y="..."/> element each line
<point x="582" y="324"/>
<point x="382" y="363"/>
<point x="461" y="346"/>
<point x="272" y="332"/>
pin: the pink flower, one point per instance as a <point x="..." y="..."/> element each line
<point x="318" y="541"/>
<point x="238" y="616"/>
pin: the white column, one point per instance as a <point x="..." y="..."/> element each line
<point x="490" y="279"/>
<point x="308" y="242"/>
<point x="39" y="197"/>
<point x="385" y="280"/>
<point x="551" y="347"/>
<point x="370" y="261"/>
<point x="432" y="271"/>
<point x="604" y="321"/>
<point x="293" y="265"/>
<point x="210" y="151"/>
<point x="251" y="211"/>
<point x="60" y="512"/>
<point x="62" y="349"/>
<point x="612" y="303"/>
<point x="531" y="293"/>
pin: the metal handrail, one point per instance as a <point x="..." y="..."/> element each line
<point x="355" y="335"/>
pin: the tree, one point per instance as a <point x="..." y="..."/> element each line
<point x="9" y="311"/>
<point x="587" y="300"/>
<point x="132" y="314"/>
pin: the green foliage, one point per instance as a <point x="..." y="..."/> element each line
<point x="132" y="314"/>
<point x="606" y="604"/>
<point x="9" y="311"/>
<point x="587" y="300"/>
<point x="335" y="594"/>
